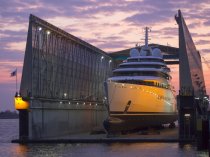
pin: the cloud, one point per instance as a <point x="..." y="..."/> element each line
<point x="16" y="46"/>
<point x="202" y="42"/>
<point x="194" y="25"/>
<point x="9" y="36"/>
<point x="205" y="50"/>
<point x="200" y="35"/>
<point x="114" y="45"/>
<point x="147" y="18"/>
<point x="207" y="23"/>
<point x="172" y="31"/>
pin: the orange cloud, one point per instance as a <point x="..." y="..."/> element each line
<point x="16" y="46"/>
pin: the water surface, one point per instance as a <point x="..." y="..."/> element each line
<point x="9" y="130"/>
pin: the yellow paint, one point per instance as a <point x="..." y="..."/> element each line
<point x="144" y="98"/>
<point x="20" y="104"/>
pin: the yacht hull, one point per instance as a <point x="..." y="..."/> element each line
<point x="126" y="122"/>
<point x="133" y="106"/>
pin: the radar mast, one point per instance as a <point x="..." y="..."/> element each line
<point x="146" y="29"/>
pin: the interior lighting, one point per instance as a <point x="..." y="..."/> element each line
<point x="65" y="94"/>
<point x="110" y="61"/>
<point x="48" y="32"/>
<point x="102" y="57"/>
<point x="187" y="115"/>
<point x="69" y="102"/>
<point x="40" y="28"/>
<point x="20" y="104"/>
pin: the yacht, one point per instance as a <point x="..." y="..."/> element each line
<point x="140" y="94"/>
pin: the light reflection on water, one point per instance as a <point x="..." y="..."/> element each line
<point x="9" y="130"/>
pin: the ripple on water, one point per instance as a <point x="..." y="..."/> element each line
<point x="9" y="130"/>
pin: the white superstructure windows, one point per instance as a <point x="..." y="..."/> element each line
<point x="141" y="66"/>
<point x="143" y="73"/>
<point x="160" y="60"/>
<point x="144" y="82"/>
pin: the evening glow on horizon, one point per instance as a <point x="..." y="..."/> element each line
<point x="110" y="25"/>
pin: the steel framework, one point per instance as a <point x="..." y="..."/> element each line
<point x="190" y="66"/>
<point x="58" y="65"/>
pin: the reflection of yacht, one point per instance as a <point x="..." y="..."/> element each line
<point x="139" y="94"/>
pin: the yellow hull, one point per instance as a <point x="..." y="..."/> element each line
<point x="134" y="106"/>
<point x="144" y="99"/>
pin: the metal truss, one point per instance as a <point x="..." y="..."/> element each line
<point x="58" y="65"/>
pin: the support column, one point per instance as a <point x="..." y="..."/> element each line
<point x="22" y="106"/>
<point x="187" y="117"/>
<point x="23" y="125"/>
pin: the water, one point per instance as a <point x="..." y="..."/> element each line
<point x="9" y="131"/>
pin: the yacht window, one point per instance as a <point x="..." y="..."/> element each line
<point x="133" y="60"/>
<point x="147" y="83"/>
<point x="142" y="73"/>
<point x="140" y="66"/>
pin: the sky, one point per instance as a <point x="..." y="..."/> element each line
<point x="110" y="25"/>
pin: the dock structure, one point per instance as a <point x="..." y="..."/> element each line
<point x="63" y="78"/>
<point x="192" y="99"/>
<point x="170" y="54"/>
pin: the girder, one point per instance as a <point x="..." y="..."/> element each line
<point x="170" y="54"/>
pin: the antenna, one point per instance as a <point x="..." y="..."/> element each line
<point x="146" y="29"/>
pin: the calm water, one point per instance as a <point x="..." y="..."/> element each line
<point x="9" y="131"/>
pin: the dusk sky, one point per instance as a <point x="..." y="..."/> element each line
<point x="110" y="25"/>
